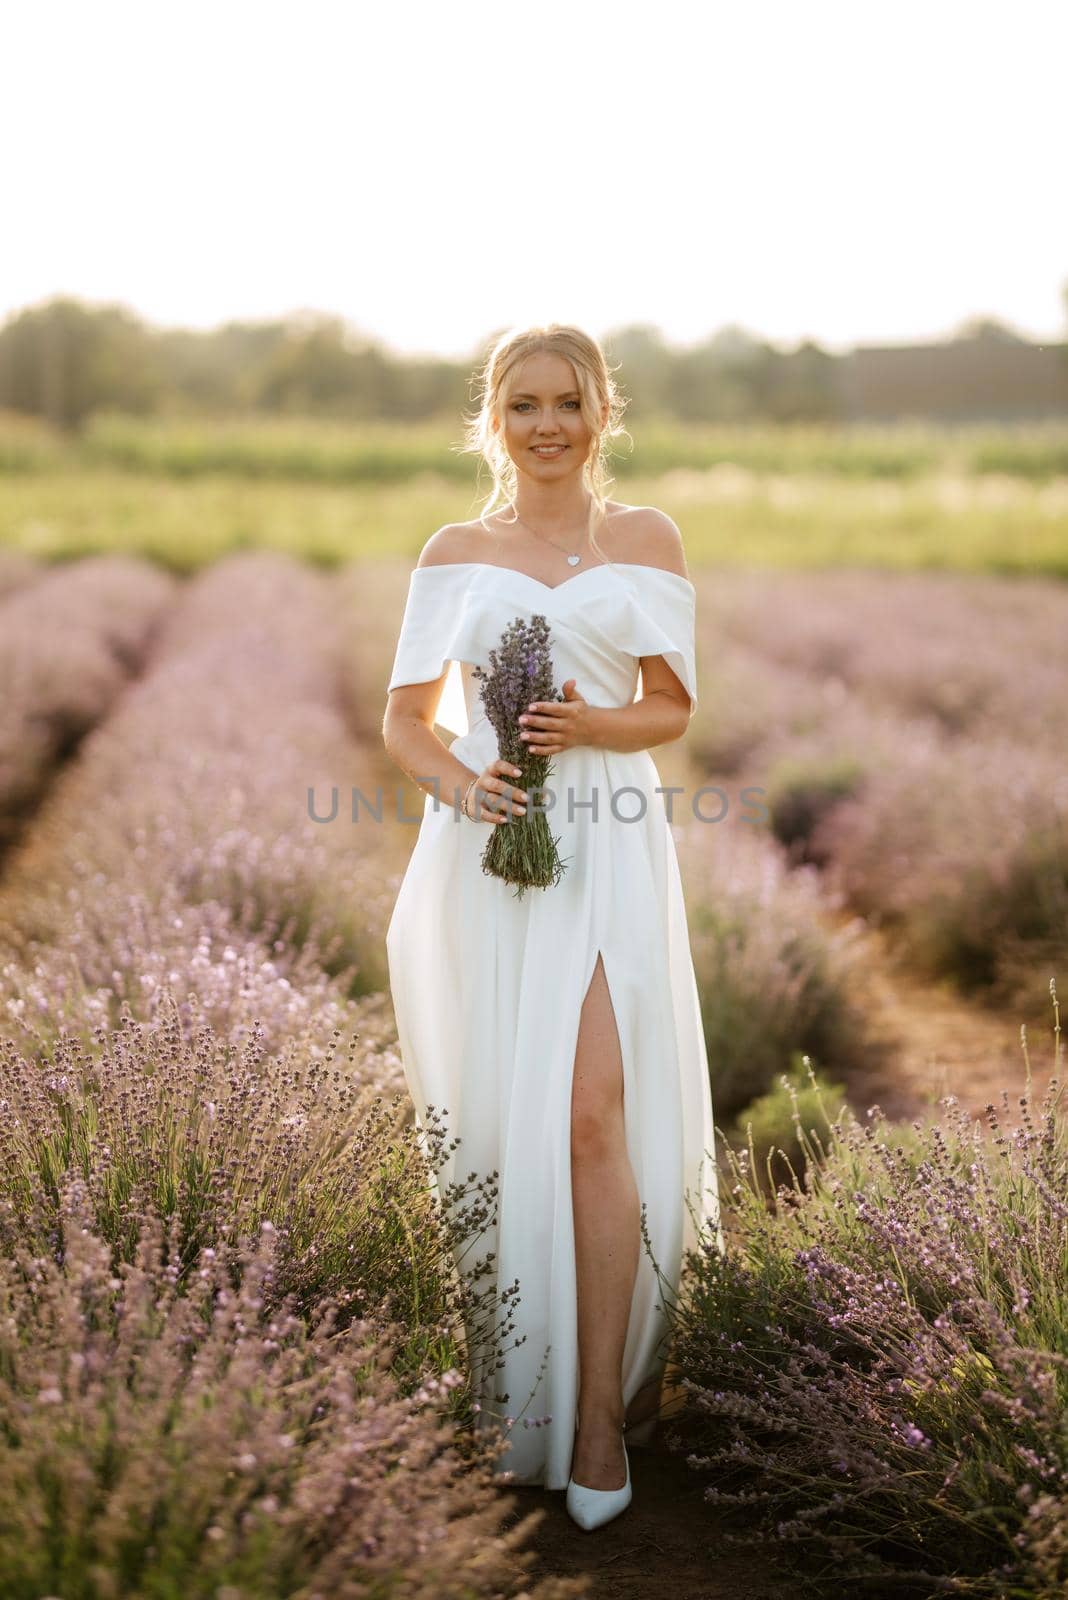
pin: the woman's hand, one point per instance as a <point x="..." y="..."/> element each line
<point x="493" y="798"/>
<point x="551" y="726"/>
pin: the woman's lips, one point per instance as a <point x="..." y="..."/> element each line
<point x="548" y="452"/>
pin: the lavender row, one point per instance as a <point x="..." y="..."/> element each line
<point x="908" y="732"/>
<point x="232" y="1359"/>
<point x="203" y="1198"/>
<point x="877" y="1371"/>
<point x="177" y="849"/>
<point x="69" y="644"/>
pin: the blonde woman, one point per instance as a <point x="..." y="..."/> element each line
<point x="559" y="1031"/>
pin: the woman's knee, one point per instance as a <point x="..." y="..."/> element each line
<point x="596" y="1126"/>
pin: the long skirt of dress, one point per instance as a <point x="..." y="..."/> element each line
<point x="487" y="990"/>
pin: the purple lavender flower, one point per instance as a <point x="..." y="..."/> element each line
<point x="522" y="851"/>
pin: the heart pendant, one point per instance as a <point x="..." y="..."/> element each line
<point x="573" y="561"/>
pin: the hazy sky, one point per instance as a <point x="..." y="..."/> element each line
<point x="434" y="172"/>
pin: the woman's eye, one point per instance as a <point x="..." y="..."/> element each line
<point x="519" y="405"/>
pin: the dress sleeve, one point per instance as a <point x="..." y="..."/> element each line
<point x="428" y="638"/>
<point x="663" y="623"/>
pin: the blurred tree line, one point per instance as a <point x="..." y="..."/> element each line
<point x="63" y="359"/>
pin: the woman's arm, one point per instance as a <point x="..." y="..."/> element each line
<point x="657" y="718"/>
<point x="410" y="741"/>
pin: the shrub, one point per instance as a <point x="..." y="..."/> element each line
<point x="879" y="1369"/>
<point x="800" y="793"/>
<point x="166" y="1437"/>
<point x="965" y="855"/>
<point x="771" y="978"/>
<point x="175" y="1121"/>
<point x="69" y="644"/>
<point x="771" y="1126"/>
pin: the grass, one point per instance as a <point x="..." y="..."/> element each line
<point x="358" y="451"/>
<point x="186" y="492"/>
<point x="810" y="522"/>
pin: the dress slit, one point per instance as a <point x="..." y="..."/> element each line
<point x="626" y="1101"/>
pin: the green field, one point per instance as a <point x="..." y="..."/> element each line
<point x="187" y="492"/>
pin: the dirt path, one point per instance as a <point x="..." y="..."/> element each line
<point x="666" y="1543"/>
<point x="931" y="1042"/>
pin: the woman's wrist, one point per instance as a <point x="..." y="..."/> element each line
<point x="596" y="736"/>
<point x="463" y="803"/>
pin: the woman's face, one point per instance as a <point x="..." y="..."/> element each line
<point x="544" y="432"/>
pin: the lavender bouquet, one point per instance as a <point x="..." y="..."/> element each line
<point x="522" y="850"/>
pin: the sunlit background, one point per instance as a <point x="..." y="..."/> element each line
<point x="841" y="172"/>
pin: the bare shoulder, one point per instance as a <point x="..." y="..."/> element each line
<point x="650" y="538"/>
<point x="450" y="544"/>
<point x="640" y="534"/>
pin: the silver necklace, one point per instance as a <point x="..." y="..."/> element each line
<point x="573" y="558"/>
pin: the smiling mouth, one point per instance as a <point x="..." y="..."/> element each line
<point x="547" y="449"/>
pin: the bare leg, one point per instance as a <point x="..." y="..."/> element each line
<point x="607" y="1238"/>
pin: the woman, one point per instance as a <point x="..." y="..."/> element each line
<point x="559" y="1031"/>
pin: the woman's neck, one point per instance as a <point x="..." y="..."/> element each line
<point x="550" y="509"/>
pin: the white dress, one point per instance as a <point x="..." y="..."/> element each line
<point x="487" y="988"/>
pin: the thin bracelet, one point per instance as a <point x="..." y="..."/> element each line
<point x="463" y="802"/>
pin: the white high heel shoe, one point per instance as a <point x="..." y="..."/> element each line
<point x="592" y="1507"/>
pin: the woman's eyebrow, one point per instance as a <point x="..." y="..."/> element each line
<point x="565" y="396"/>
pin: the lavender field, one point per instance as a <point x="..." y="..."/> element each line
<point x="232" y="1341"/>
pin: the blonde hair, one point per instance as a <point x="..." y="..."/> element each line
<point x="596" y="388"/>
